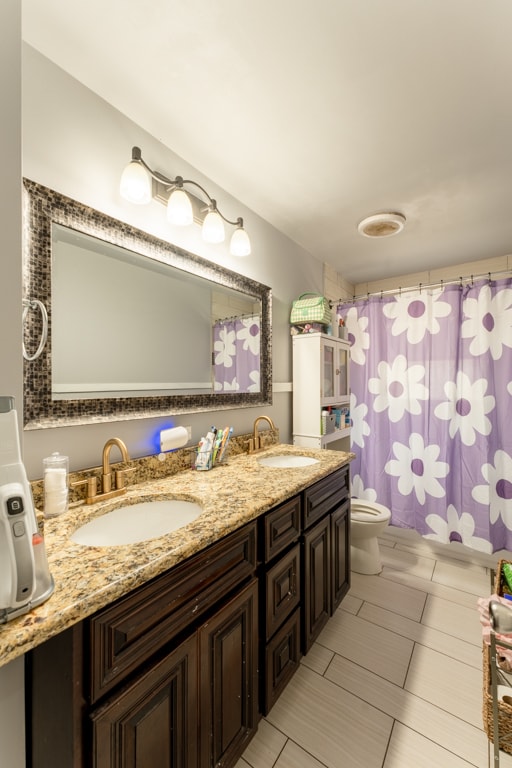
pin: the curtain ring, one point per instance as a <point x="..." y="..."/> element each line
<point x="400" y="291"/>
<point x="420" y="289"/>
<point x="490" y="278"/>
<point x="381" y="295"/>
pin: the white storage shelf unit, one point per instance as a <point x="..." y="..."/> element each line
<point x="320" y="379"/>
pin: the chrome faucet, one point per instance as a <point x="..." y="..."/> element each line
<point x="255" y="441"/>
<point x="108" y="489"/>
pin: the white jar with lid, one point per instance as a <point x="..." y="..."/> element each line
<point x="56" y="468"/>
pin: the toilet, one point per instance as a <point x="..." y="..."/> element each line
<point x="368" y="520"/>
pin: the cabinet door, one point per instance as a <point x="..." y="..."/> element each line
<point x="282" y="591"/>
<point x="340" y="553"/>
<point x="341" y="380"/>
<point x="317" y="580"/>
<point x="328" y="362"/>
<point x="335" y="377"/>
<point x="153" y="721"/>
<point x="282" y="657"/>
<point x="228" y="666"/>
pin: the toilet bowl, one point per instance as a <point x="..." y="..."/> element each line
<point x="368" y="520"/>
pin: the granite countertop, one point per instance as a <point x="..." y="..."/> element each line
<point x="89" y="578"/>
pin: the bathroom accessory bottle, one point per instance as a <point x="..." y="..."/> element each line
<point x="56" y="469"/>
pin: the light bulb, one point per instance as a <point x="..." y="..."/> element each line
<point x="240" y="244"/>
<point x="213" y="227"/>
<point x="135" y="185"/>
<point x="179" y="208"/>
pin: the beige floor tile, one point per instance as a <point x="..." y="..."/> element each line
<point x="351" y="604"/>
<point x="427" y="712"/>
<point x="431" y="587"/>
<point x="455" y="552"/>
<point x="434" y="723"/>
<point x="293" y="756"/>
<point x="447" y="683"/>
<point x="466" y="577"/>
<point x="410" y="562"/>
<point x="265" y="747"/>
<point x="408" y="748"/>
<point x="396" y="597"/>
<point x="419" y="633"/>
<point x="412" y="541"/>
<point x="369" y="645"/>
<point x="318" y="658"/>
<point x="330" y="723"/>
<point x="456" y="620"/>
<point x="396" y="534"/>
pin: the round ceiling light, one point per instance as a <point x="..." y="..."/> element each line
<point x="381" y="225"/>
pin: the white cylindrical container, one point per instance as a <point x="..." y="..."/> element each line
<point x="56" y="469"/>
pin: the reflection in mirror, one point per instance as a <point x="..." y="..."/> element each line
<point x="145" y="304"/>
<point x="138" y="327"/>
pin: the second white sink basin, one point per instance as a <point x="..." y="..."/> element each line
<point x="137" y="522"/>
<point x="287" y="461"/>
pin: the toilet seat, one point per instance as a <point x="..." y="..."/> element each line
<point x="363" y="511"/>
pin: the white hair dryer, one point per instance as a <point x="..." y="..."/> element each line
<point x="25" y="579"/>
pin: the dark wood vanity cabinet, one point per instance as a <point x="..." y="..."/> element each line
<point x="154" y="720"/>
<point x="198" y="706"/>
<point x="326" y="551"/>
<point x="177" y="673"/>
<point x="166" y="676"/>
<point x="228" y="679"/>
<point x="280" y="599"/>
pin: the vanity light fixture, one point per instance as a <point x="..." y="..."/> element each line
<point x="139" y="183"/>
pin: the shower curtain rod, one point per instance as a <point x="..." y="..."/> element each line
<point x="420" y="286"/>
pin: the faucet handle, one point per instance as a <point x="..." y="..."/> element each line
<point x="91" y="483"/>
<point x="120" y="476"/>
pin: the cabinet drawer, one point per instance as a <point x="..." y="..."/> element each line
<point x="323" y="496"/>
<point x="282" y="588"/>
<point x="281" y="528"/>
<point x="125" y="634"/>
<point x="282" y="657"/>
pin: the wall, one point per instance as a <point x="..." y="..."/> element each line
<point x="77" y="144"/>
<point x="493" y="264"/>
<point x="12" y="714"/>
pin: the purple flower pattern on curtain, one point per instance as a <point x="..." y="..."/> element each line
<point x="236" y="354"/>
<point x="431" y="409"/>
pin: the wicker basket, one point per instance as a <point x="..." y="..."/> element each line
<point x="504" y="710"/>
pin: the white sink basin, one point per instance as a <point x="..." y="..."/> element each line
<point x="137" y="522"/>
<point x="287" y="461"/>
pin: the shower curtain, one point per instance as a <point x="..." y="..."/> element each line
<point x="236" y="354"/>
<point x="431" y="409"/>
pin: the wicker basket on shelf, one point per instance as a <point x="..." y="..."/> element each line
<point x="504" y="710"/>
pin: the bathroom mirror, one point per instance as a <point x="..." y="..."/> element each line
<point x="137" y="327"/>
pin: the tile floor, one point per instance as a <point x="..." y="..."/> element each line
<point x="395" y="678"/>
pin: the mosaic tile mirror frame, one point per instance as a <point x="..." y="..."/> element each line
<point x="44" y="209"/>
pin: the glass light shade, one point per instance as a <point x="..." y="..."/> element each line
<point x="240" y="243"/>
<point x="179" y="208"/>
<point x="135" y="185"/>
<point x="213" y="228"/>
